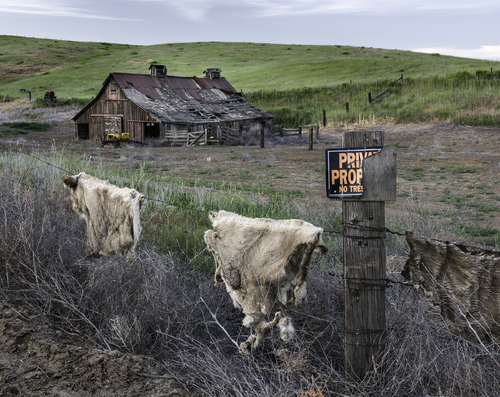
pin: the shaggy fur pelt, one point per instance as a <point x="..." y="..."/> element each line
<point x="112" y="214"/>
<point x="464" y="282"/>
<point x="262" y="262"/>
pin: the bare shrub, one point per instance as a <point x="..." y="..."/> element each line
<point x="58" y="114"/>
<point x="246" y="158"/>
<point x="146" y="155"/>
<point x="152" y="142"/>
<point x="157" y="305"/>
<point x="297" y="140"/>
<point x="251" y="137"/>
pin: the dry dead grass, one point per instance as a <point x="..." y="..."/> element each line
<point x="156" y="305"/>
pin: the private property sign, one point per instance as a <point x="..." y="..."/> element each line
<point x="344" y="171"/>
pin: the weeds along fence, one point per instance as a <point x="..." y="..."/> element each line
<point x="461" y="97"/>
<point x="297" y="133"/>
<point x="381" y="96"/>
<point x="163" y="305"/>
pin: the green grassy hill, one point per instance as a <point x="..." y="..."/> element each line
<point x="293" y="81"/>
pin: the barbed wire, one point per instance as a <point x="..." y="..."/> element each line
<point x="6" y="150"/>
<point x="344" y="224"/>
<point x="387" y="230"/>
<point x="333" y="232"/>
<point x="361" y="227"/>
<point x="170" y="227"/>
<point x="65" y="170"/>
<point x="176" y="205"/>
<point x="379" y="282"/>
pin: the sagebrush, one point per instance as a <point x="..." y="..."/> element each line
<point x="158" y="305"/>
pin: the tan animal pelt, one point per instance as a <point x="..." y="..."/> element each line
<point x="112" y="214"/>
<point x="464" y="282"/>
<point x="262" y="262"/>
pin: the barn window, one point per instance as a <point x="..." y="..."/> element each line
<point x="112" y="86"/>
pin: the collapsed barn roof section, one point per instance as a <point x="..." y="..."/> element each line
<point x="144" y="83"/>
<point x="193" y="100"/>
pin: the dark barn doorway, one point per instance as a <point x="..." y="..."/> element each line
<point x="83" y="131"/>
<point x="151" y="130"/>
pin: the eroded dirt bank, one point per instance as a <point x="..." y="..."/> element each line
<point x="37" y="360"/>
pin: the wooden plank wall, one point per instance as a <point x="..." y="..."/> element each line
<point x="115" y="105"/>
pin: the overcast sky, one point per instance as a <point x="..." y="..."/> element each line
<point x="449" y="27"/>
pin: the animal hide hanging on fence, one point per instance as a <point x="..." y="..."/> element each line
<point x="463" y="281"/>
<point x="112" y="214"/>
<point x="262" y="262"/>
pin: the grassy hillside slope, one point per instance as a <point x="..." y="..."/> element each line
<point x="332" y="75"/>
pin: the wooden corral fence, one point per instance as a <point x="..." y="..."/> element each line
<point x="310" y="129"/>
<point x="286" y="132"/>
<point x="217" y="134"/>
<point x="228" y="134"/>
<point x="184" y="137"/>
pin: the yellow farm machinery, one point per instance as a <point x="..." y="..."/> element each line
<point x="116" y="140"/>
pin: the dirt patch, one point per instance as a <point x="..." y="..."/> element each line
<point x="22" y="70"/>
<point x="38" y="360"/>
<point x="444" y="170"/>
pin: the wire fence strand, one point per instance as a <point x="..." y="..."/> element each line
<point x="328" y="231"/>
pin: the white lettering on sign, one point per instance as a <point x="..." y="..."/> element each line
<point x="344" y="171"/>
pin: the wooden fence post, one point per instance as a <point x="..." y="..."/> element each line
<point x="347" y="107"/>
<point x="364" y="256"/>
<point x="300" y="131"/>
<point x="311" y="129"/>
<point x="317" y="132"/>
<point x="369" y="97"/>
<point x="262" y="136"/>
<point x="324" y="115"/>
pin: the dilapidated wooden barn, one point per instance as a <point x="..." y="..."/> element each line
<point x="178" y="110"/>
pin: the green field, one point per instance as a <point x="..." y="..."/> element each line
<point x="163" y="304"/>
<point x="294" y="82"/>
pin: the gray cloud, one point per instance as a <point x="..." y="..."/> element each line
<point x="52" y="9"/>
<point x="199" y="9"/>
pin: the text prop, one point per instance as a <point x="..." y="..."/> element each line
<point x="344" y="171"/>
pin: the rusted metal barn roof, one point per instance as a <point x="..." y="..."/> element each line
<point x="144" y="83"/>
<point x="192" y="100"/>
<point x="185" y="87"/>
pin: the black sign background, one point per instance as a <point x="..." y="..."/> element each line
<point x="344" y="174"/>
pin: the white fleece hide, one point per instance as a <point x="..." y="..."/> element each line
<point x="112" y="215"/>
<point x="262" y="262"/>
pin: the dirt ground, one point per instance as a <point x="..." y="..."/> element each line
<point x="449" y="172"/>
<point x="37" y="360"/>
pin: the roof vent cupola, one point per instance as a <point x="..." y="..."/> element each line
<point x="159" y="71"/>
<point x="213" y="73"/>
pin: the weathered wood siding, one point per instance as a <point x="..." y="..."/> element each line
<point x="112" y="105"/>
<point x="112" y="112"/>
